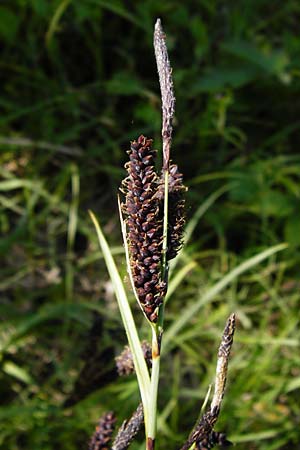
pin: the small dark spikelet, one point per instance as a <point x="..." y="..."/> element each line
<point x="124" y="361"/>
<point x="129" y="430"/>
<point x="144" y="225"/>
<point x="103" y="432"/>
<point x="218" y="438"/>
<point x="209" y="442"/>
<point x="176" y="214"/>
<point x="204" y="436"/>
<point x="200" y="435"/>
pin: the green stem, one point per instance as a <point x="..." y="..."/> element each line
<point x="154" y="383"/>
<point x="128" y="322"/>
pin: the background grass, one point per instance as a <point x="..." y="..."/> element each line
<point x="78" y="82"/>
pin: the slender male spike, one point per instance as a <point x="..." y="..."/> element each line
<point x="203" y="435"/>
<point x="103" y="432"/>
<point x="166" y="87"/>
<point x="222" y="363"/>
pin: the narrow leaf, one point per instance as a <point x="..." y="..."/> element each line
<point x="127" y="318"/>
<point x="193" y="309"/>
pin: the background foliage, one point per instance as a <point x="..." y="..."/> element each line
<point x="78" y="82"/>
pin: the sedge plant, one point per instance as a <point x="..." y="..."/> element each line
<point x="152" y="221"/>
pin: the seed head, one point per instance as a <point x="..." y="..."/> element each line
<point x="144" y="225"/>
<point x="143" y="210"/>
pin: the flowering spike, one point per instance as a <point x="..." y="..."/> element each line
<point x="144" y="226"/>
<point x="176" y="205"/>
<point x="222" y="364"/>
<point x="203" y="435"/>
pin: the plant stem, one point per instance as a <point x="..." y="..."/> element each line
<point x="154" y="384"/>
<point x="128" y="322"/>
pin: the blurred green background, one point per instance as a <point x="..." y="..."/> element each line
<point x="78" y="82"/>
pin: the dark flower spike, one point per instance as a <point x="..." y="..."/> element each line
<point x="203" y="435"/>
<point x="103" y="432"/>
<point x="220" y="439"/>
<point x="144" y="226"/>
<point x="124" y="361"/>
<point x="176" y="207"/>
<point x="200" y="436"/>
<point x="205" y="438"/>
<point x="129" y="430"/>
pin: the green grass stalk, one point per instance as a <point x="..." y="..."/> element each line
<point x="154" y="383"/>
<point x="128" y="322"/>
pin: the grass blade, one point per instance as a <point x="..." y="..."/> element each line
<point x="127" y="318"/>
<point x="189" y="313"/>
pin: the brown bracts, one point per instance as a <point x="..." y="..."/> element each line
<point x="144" y="226"/>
